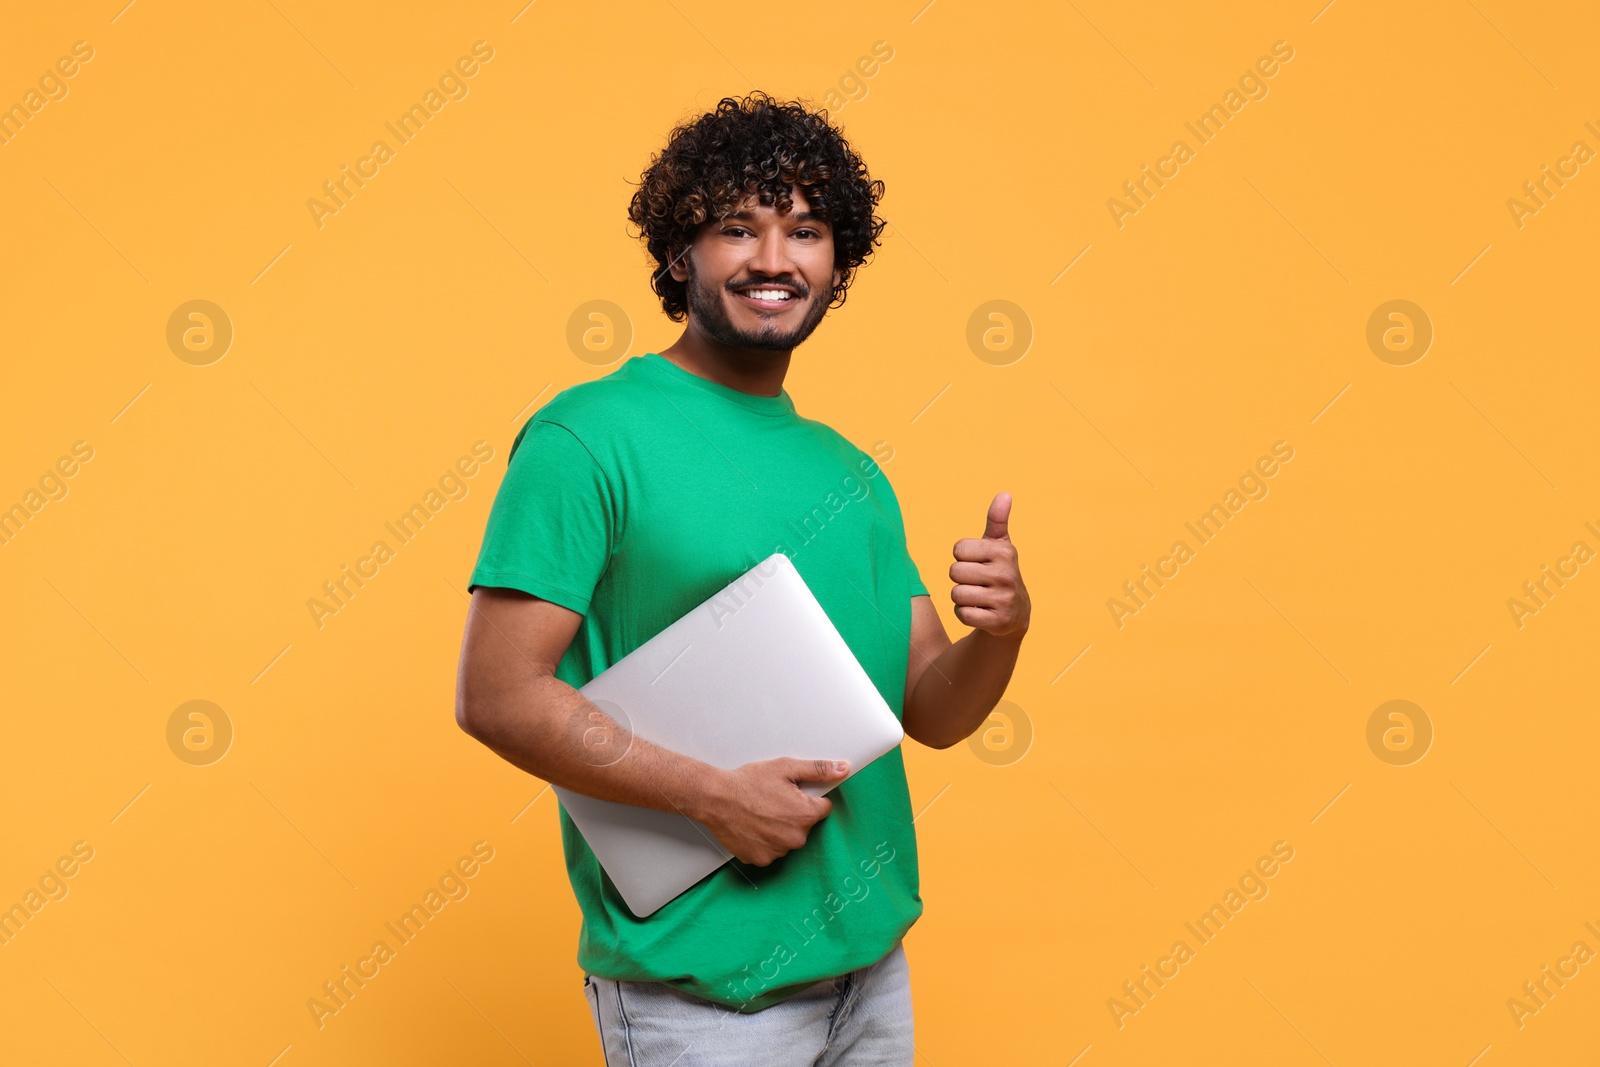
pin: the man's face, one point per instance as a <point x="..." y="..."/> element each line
<point x="786" y="258"/>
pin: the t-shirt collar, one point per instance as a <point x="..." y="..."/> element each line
<point x="761" y="405"/>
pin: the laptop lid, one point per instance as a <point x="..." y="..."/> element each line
<point x="755" y="672"/>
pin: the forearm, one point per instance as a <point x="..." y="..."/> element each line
<point x="955" y="693"/>
<point x="549" y="729"/>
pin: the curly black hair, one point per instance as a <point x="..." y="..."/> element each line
<point x="754" y="146"/>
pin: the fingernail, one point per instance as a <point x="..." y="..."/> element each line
<point x="840" y="766"/>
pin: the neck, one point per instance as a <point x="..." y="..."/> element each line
<point x="759" y="372"/>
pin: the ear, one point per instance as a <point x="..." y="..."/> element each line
<point x="678" y="264"/>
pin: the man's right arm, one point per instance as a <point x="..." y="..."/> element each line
<point x="508" y="697"/>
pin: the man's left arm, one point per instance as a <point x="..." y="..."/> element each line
<point x="952" y="687"/>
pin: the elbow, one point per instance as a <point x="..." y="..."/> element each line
<point x="465" y="718"/>
<point x="479" y="704"/>
<point x="927" y="740"/>
<point x="501" y="707"/>
<point x="493" y="713"/>
<point x="480" y="723"/>
<point x="463" y="703"/>
<point x="473" y="715"/>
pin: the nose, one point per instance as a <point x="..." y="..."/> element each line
<point x="770" y="257"/>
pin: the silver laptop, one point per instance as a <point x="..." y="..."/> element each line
<point x="756" y="672"/>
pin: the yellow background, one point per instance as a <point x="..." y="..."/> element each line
<point x="1229" y="313"/>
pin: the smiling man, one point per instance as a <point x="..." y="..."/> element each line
<point x="629" y="500"/>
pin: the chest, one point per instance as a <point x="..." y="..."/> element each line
<point x="696" y="512"/>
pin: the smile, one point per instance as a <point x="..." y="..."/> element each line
<point x="769" y="299"/>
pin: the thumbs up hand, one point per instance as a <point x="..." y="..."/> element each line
<point x="989" y="594"/>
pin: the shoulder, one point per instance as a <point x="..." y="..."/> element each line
<point x="870" y="462"/>
<point x="594" y="410"/>
<point x="862" y="461"/>
<point x="865" y="465"/>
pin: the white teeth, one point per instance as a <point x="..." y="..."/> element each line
<point x="767" y="294"/>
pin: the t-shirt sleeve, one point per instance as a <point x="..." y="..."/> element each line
<point x="552" y="527"/>
<point x="913" y="579"/>
<point x="917" y="588"/>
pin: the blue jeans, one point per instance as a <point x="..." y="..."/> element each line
<point x="859" y="1019"/>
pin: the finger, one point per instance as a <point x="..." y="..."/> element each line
<point x="983" y="549"/>
<point x="963" y="573"/>
<point x="818" y="770"/>
<point x="979" y="618"/>
<point x="999" y="516"/>
<point x="978" y="596"/>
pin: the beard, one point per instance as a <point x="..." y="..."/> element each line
<point x="708" y="307"/>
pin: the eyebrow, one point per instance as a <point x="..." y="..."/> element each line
<point x="804" y="216"/>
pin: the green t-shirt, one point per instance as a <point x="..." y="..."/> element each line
<point x="631" y="499"/>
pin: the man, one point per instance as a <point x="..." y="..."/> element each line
<point x="630" y="499"/>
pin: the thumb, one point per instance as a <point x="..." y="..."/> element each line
<point x="818" y="770"/>
<point x="999" y="513"/>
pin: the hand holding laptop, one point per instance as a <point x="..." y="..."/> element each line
<point x="757" y="683"/>
<point x="759" y="812"/>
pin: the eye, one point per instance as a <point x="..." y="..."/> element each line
<point x="813" y="233"/>
<point x="731" y="230"/>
